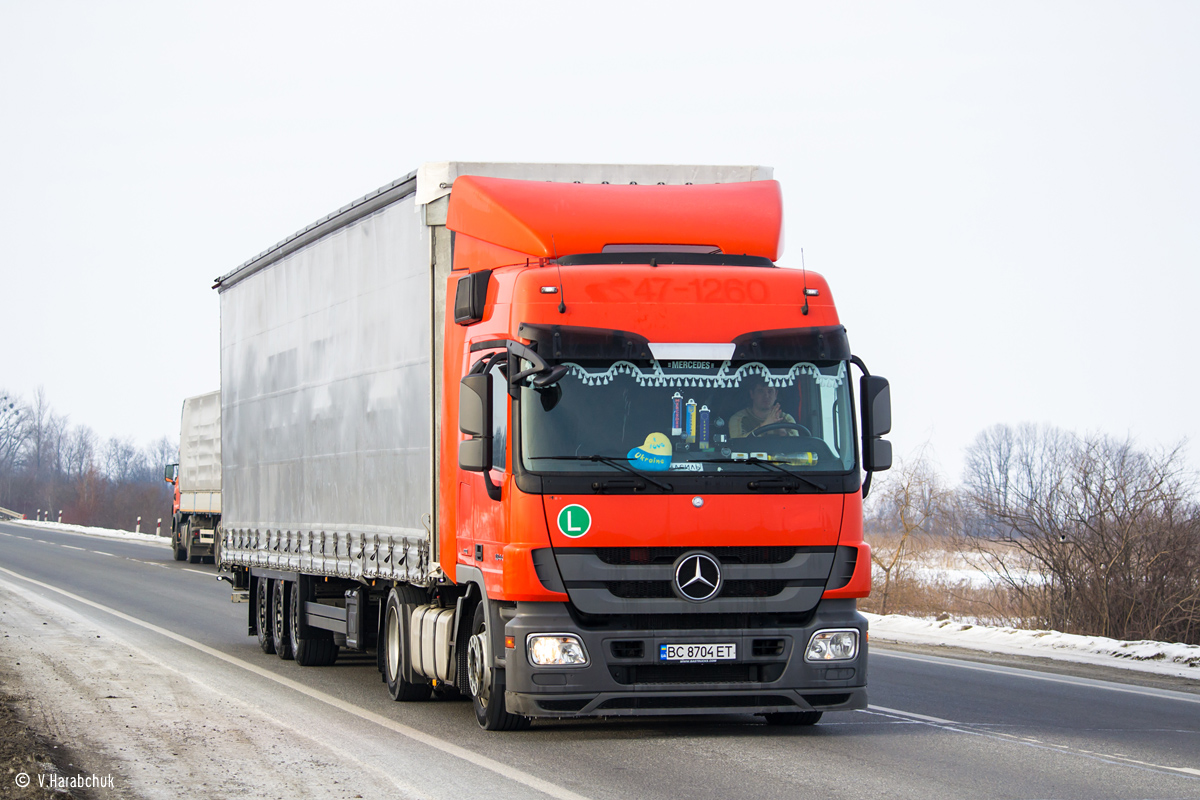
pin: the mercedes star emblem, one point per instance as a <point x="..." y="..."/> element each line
<point x="697" y="577"/>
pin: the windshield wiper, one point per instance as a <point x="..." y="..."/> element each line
<point x="767" y="465"/>
<point x="612" y="461"/>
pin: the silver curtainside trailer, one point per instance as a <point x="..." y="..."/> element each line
<point x="330" y="366"/>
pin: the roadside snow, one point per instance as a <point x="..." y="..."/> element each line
<point x="150" y="728"/>
<point x="107" y="533"/>
<point x="1163" y="658"/>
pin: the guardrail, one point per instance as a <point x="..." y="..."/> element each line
<point x="6" y="514"/>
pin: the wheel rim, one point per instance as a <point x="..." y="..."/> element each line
<point x="262" y="607"/>
<point x="393" y="643"/>
<point x="475" y="665"/>
<point x="294" y="616"/>
<point x="279" y="628"/>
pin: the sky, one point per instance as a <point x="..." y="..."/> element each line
<point x="1004" y="197"/>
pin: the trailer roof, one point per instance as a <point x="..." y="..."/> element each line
<point x="435" y="180"/>
<point x="548" y="220"/>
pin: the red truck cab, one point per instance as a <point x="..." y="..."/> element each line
<point x="645" y="538"/>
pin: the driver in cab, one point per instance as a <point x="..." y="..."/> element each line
<point x="762" y="411"/>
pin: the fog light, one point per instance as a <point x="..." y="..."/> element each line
<point x="556" y="650"/>
<point x="840" y="645"/>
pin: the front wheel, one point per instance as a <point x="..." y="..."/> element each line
<point x="401" y="600"/>
<point x="486" y="683"/>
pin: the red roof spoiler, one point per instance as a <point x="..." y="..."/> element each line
<point x="547" y="220"/>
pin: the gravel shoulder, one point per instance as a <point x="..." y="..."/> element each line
<point x="127" y="718"/>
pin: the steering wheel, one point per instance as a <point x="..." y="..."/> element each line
<point x="778" y="426"/>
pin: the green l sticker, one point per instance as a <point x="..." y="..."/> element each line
<point x="574" y="521"/>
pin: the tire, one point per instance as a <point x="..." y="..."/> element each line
<point x="279" y="618"/>
<point x="180" y="553"/>
<point x="400" y="603"/>
<point x="793" y="718"/>
<point x="266" y="638"/>
<point x="487" y="696"/>
<point x="311" y="652"/>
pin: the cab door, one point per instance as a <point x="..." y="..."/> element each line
<point x="482" y="520"/>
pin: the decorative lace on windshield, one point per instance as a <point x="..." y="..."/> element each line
<point x="723" y="379"/>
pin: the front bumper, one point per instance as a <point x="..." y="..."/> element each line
<point x="769" y="674"/>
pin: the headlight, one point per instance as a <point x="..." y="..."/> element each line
<point x="556" y="650"/>
<point x="841" y="645"/>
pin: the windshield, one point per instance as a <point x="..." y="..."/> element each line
<point x="690" y="416"/>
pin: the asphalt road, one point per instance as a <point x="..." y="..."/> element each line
<point x="937" y="727"/>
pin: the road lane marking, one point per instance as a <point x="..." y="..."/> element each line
<point x="101" y="552"/>
<point x="1145" y="691"/>
<point x="968" y="729"/>
<point x="513" y="774"/>
<point x="72" y="547"/>
<point x="198" y="571"/>
<point x="910" y="714"/>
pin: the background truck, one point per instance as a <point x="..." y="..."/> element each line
<point x="196" y="514"/>
<point x="481" y="422"/>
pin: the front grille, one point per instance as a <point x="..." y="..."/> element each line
<point x="766" y="588"/>
<point x="640" y="590"/>
<point x="688" y="622"/>
<point x="623" y="556"/>
<point x="711" y="701"/>
<point x="637" y="674"/>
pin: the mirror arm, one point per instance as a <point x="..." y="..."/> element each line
<point x="866" y="484"/>
<point x="493" y="489"/>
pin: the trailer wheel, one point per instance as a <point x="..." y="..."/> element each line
<point x="180" y="552"/>
<point x="487" y="685"/>
<point x="311" y="652"/>
<point x="279" y="615"/>
<point x="400" y="603"/>
<point x="793" y="718"/>
<point x="266" y="638"/>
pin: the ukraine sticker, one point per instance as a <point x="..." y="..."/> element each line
<point x="574" y="521"/>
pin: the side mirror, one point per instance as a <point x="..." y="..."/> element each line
<point x="475" y="420"/>
<point x="876" y="397"/>
<point x="171" y="473"/>
<point x="470" y="297"/>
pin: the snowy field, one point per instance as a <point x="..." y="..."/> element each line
<point x="106" y="533"/>
<point x="1163" y="658"/>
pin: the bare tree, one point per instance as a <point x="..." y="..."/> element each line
<point x="122" y="460"/>
<point x="12" y="431"/>
<point x="80" y="452"/>
<point x="37" y="431"/>
<point x="905" y="509"/>
<point x="1093" y="534"/>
